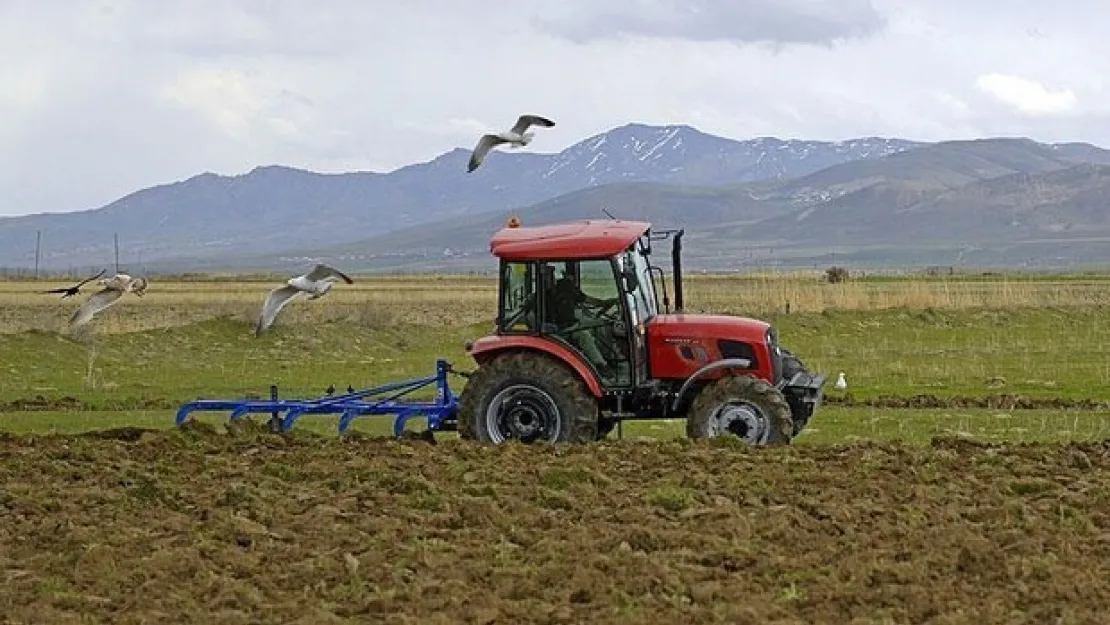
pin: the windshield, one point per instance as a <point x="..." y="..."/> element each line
<point x="641" y="300"/>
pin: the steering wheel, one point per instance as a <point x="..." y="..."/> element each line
<point x="605" y="308"/>
<point x="605" y="321"/>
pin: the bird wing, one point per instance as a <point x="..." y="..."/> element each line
<point x="97" y="302"/>
<point x="277" y="298"/>
<point x="319" y="272"/>
<point x="63" y="289"/>
<point x="524" y="121"/>
<point x="86" y="280"/>
<point x="485" y="144"/>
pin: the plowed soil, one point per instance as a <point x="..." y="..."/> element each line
<point x="204" y="526"/>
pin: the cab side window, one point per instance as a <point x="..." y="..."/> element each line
<point x="518" y="297"/>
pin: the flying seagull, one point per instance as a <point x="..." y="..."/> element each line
<point x="315" y="283"/>
<point x="516" y="137"/>
<point x="114" y="288"/>
<point x="70" y="291"/>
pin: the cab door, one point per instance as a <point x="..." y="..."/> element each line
<point x="585" y="309"/>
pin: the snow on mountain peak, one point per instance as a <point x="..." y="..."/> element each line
<point x="641" y="151"/>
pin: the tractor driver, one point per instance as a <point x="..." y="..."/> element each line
<point x="564" y="299"/>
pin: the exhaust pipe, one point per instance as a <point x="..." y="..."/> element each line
<point x="676" y="264"/>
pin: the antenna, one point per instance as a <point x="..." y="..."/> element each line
<point x="38" y="247"/>
<point x="606" y="211"/>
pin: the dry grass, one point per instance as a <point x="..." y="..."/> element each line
<point x="803" y="292"/>
<point x="374" y="302"/>
<point x="465" y="300"/>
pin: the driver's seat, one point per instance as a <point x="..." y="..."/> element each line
<point x="562" y="300"/>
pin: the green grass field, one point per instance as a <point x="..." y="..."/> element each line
<point x="950" y="341"/>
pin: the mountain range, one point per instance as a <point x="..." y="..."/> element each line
<point x="867" y="201"/>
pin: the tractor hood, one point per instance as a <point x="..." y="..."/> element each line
<point x="708" y="327"/>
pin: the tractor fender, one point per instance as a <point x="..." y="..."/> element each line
<point x="742" y="363"/>
<point x="487" y="347"/>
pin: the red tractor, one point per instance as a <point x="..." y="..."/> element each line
<point x="580" y="344"/>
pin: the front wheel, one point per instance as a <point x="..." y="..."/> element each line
<point x="743" y="406"/>
<point x="791" y="365"/>
<point x="526" y="397"/>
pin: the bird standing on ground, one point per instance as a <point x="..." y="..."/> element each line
<point x="516" y="137"/>
<point x="841" y="383"/>
<point x="70" y="291"/>
<point x="315" y="283"/>
<point x="114" y="288"/>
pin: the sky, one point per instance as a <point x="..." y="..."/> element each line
<point x="100" y="98"/>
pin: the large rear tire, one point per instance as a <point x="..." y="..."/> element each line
<point x="743" y="406"/>
<point x="529" y="397"/>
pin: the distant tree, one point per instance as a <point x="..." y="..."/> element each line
<point x="837" y="274"/>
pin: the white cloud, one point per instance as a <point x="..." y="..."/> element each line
<point x="221" y="96"/>
<point x="99" y="98"/>
<point x="1026" y="96"/>
<point x="748" y="21"/>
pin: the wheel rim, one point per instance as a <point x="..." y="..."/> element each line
<point x="524" y="413"/>
<point x="743" y="420"/>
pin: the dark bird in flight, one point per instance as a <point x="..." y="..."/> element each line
<point x="70" y="291"/>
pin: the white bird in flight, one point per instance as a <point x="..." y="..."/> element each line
<point x="315" y="283"/>
<point x="841" y="383"/>
<point x="516" y="137"/>
<point x="114" y="288"/>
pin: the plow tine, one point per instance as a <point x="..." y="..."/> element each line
<point x="402" y="420"/>
<point x="183" y="414"/>
<point x="291" y="418"/>
<point x="346" y="418"/>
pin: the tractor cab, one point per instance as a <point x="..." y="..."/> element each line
<point x="593" y="300"/>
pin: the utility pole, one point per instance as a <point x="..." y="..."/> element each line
<point x="38" y="247"/>
<point x="115" y="237"/>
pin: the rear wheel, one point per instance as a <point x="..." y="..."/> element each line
<point x="527" y="397"/>
<point x="742" y="406"/>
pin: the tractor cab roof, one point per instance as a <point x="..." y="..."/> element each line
<point x="574" y="240"/>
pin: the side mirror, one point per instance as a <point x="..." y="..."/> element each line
<point x="631" y="280"/>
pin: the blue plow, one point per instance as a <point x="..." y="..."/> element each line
<point x="440" y="412"/>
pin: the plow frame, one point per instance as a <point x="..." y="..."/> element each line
<point x="284" y="413"/>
